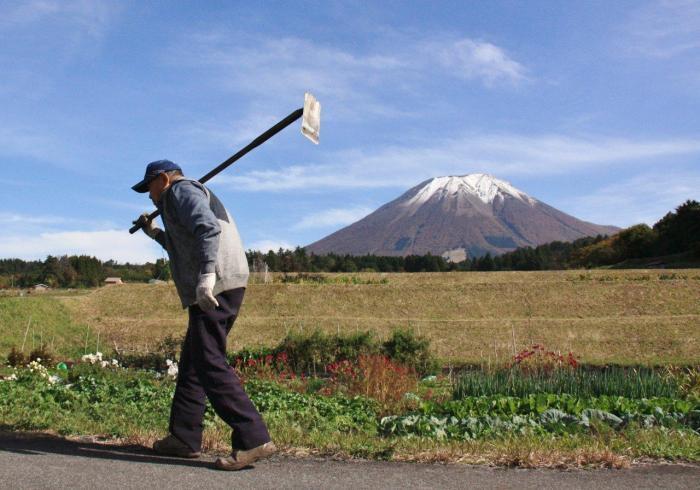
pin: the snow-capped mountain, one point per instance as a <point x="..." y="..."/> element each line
<point x="472" y="214"/>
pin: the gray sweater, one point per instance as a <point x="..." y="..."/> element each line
<point x="200" y="237"/>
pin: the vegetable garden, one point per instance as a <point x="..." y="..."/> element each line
<point x="355" y="396"/>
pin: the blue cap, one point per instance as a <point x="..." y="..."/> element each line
<point x="153" y="170"/>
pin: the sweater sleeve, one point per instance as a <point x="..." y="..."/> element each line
<point x="195" y="214"/>
<point x="160" y="238"/>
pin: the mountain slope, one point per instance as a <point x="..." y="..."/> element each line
<point x="477" y="213"/>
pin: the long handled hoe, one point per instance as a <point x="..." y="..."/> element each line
<point x="310" y="116"/>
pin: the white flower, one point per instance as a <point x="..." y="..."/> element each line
<point x="34" y="366"/>
<point x="54" y="379"/>
<point x="115" y="363"/>
<point x="104" y="364"/>
<point x="172" y="368"/>
<point x="93" y="358"/>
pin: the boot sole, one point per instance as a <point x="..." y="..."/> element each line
<point x="219" y="465"/>
<point x="223" y="467"/>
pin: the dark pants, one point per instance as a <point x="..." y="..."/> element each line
<point x="205" y="373"/>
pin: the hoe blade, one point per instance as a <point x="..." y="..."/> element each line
<point x="311" y="119"/>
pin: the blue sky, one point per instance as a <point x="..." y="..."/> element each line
<point x="591" y="107"/>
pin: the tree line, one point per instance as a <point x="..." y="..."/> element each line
<point x="76" y="272"/>
<point x="298" y="260"/>
<point x="676" y="233"/>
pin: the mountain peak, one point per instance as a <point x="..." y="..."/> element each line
<point x="484" y="186"/>
<point x="474" y="214"/>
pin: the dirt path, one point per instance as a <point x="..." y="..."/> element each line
<point x="49" y="462"/>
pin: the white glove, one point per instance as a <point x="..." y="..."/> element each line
<point x="205" y="295"/>
<point x="150" y="227"/>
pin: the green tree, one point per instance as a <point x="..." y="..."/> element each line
<point x="635" y="241"/>
<point x="161" y="270"/>
<point x="679" y="231"/>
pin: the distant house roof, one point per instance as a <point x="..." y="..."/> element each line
<point x="114" y="280"/>
<point x="41" y="286"/>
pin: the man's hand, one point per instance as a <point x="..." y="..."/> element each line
<point x="149" y="227"/>
<point x="205" y="295"/>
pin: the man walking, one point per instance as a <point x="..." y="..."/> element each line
<point x="210" y="271"/>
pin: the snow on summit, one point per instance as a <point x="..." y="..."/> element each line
<point x="485" y="187"/>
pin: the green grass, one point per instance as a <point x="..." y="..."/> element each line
<point x="37" y="320"/>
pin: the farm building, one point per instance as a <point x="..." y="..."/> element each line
<point x="113" y="280"/>
<point x="40" y="288"/>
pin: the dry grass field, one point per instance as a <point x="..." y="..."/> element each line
<point x="626" y="317"/>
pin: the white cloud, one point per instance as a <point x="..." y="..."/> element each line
<point x="105" y="245"/>
<point x="333" y="218"/>
<point x="89" y="16"/>
<point x="503" y="155"/>
<point x="267" y="245"/>
<point x="28" y="12"/>
<point x="479" y="60"/>
<point x="242" y="131"/>
<point x="645" y="198"/>
<point x="273" y="72"/>
<point x="664" y="29"/>
<point x="20" y="219"/>
<point x="12" y="221"/>
<point x="313" y="178"/>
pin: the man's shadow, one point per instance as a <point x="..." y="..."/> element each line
<point x="39" y="443"/>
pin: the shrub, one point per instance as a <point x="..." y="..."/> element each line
<point x="166" y="349"/>
<point x="406" y="348"/>
<point x="373" y="376"/>
<point x="384" y="380"/>
<point x="537" y="358"/>
<point x="312" y="353"/>
<point x="303" y="278"/>
<point x="270" y="367"/>
<point x="143" y="360"/>
<point x="16" y="358"/>
<point x="170" y="346"/>
<point x="42" y="355"/>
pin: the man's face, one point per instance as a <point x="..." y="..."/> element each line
<point x="157" y="186"/>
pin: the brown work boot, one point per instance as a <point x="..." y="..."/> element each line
<point x="243" y="459"/>
<point x="172" y="446"/>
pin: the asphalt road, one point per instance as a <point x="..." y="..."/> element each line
<point x="35" y="462"/>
